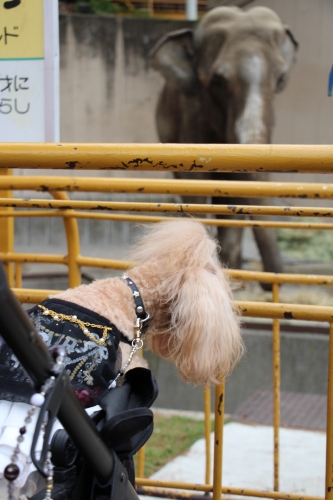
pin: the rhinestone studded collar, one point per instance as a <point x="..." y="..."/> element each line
<point x="140" y="311"/>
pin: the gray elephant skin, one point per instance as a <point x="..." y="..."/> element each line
<point x="220" y="81"/>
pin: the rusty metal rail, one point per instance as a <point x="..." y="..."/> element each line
<point x="181" y="208"/>
<point x="169" y="157"/>
<point x="283" y="278"/>
<point x="153" y="218"/>
<point x="190" y="158"/>
<point x="141" y="186"/>
<point x="249" y="309"/>
<point x="154" y="487"/>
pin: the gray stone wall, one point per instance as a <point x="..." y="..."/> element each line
<point x="304" y="368"/>
<point x="108" y="92"/>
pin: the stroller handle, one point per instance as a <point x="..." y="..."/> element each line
<point x="21" y="336"/>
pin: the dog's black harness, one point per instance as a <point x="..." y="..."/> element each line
<point x="93" y="355"/>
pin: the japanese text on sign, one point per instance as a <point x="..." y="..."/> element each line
<point x="12" y="99"/>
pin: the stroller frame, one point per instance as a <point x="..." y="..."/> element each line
<point x="110" y="479"/>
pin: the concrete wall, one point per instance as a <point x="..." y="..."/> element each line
<point x="304" y="359"/>
<point x="108" y="93"/>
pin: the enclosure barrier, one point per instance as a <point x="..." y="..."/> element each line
<point x="168" y="157"/>
<point x="197" y="158"/>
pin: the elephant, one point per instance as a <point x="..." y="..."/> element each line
<point x="220" y="81"/>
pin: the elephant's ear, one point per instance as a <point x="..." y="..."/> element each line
<point x="288" y="49"/>
<point x="173" y="57"/>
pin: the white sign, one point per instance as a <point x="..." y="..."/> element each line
<point x="29" y="71"/>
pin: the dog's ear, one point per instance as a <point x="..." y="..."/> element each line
<point x="204" y="339"/>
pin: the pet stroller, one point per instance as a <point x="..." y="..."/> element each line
<point x="92" y="457"/>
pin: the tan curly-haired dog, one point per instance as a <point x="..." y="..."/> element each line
<point x="186" y="292"/>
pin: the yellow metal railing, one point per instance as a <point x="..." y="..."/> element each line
<point x="181" y="208"/>
<point x="191" y="158"/>
<point x="169" y="157"/>
<point x="170" y="186"/>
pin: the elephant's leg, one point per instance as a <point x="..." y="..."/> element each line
<point x="230" y="241"/>
<point x="229" y="238"/>
<point x="269" y="250"/>
<point x="266" y="238"/>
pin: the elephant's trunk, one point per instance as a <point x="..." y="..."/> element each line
<point x="253" y="124"/>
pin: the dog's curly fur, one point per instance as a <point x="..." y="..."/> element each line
<point x="185" y="291"/>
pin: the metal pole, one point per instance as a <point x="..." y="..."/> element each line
<point x="329" y="423"/>
<point x="73" y="243"/>
<point x="7" y="229"/>
<point x="218" y="441"/>
<point x="207" y="406"/>
<point x="191" y="10"/>
<point x="276" y="388"/>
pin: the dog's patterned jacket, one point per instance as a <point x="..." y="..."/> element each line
<point x="90" y="366"/>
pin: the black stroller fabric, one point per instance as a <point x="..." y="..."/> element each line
<point x="128" y="422"/>
<point x="125" y="423"/>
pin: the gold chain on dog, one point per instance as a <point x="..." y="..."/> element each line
<point x="83" y="325"/>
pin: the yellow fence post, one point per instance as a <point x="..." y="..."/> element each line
<point x="329" y="423"/>
<point x="141" y="452"/>
<point x="73" y="243"/>
<point x="7" y="230"/>
<point x="18" y="274"/>
<point x="276" y="388"/>
<point x="218" y="441"/>
<point x="207" y="406"/>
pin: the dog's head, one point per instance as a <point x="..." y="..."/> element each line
<point x="195" y="324"/>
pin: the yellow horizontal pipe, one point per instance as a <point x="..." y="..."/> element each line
<point x="160" y="492"/>
<point x="301" y="279"/>
<point x="285" y="311"/>
<point x="283" y="278"/>
<point x="170" y="207"/>
<point x="157" y="485"/>
<point x="169" y="157"/>
<point x="103" y="263"/>
<point x="155" y="218"/>
<point x="26" y="257"/>
<point x="169" y="186"/>
<point x="329" y="424"/>
<point x="249" y="309"/>
<point x="32" y="295"/>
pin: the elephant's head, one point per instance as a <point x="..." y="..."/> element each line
<point x="235" y="61"/>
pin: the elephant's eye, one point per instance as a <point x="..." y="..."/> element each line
<point x="281" y="82"/>
<point x="219" y="89"/>
<point x="219" y="81"/>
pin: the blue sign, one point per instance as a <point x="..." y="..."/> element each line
<point x="330" y="83"/>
